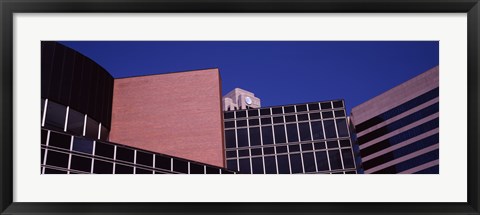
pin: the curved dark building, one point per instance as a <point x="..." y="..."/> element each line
<point x="73" y="82"/>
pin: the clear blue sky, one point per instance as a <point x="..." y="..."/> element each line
<point x="283" y="72"/>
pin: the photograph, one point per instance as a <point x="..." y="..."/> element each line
<point x="239" y="107"/>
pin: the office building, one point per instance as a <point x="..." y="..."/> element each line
<point x="240" y="99"/>
<point x="290" y="139"/>
<point x="397" y="131"/>
<point x="93" y="123"/>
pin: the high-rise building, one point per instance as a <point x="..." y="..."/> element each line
<point x="301" y="138"/>
<point x="150" y="116"/>
<point x="397" y="131"/>
<point x="240" y="99"/>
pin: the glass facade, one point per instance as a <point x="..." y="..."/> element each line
<point x="64" y="153"/>
<point x="292" y="139"/>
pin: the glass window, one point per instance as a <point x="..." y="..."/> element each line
<point x="232" y="165"/>
<point x="103" y="149"/>
<point x="144" y="158"/>
<point x="211" y="170"/>
<point x="255" y="136"/>
<point x="290" y="118"/>
<point x="342" y="128"/>
<point x="268" y="150"/>
<point x="266" y="121"/>
<point x="307" y="147"/>
<point x="231" y="154"/>
<point x="82" y="145"/>
<point x="319" y="145"/>
<point x="256" y="151"/>
<point x="91" y="128"/>
<point x="289" y="109"/>
<point x="228" y="115"/>
<point x="337" y="104"/>
<point x="125" y="154"/>
<point x="301" y="108"/>
<point x="55" y="118"/>
<point x="304" y="128"/>
<point x="309" y="162"/>
<point x="60" y="140"/>
<point x="296" y="163"/>
<point x="57" y="159"/>
<point x="44" y="137"/>
<point x="241" y="123"/>
<point x="123" y="169"/>
<point x="279" y="133"/>
<point x="292" y="133"/>
<point x="75" y="122"/>
<point x="102" y="167"/>
<point x="302" y="117"/>
<point x="230" y="139"/>
<point x="143" y="171"/>
<point x="162" y="162"/>
<point x="42" y="107"/>
<point x="313" y="106"/>
<point x="264" y="112"/>
<point x="283" y="164"/>
<point x="278" y="119"/>
<point x="54" y="171"/>
<point x="314" y="116"/>
<point x="294" y="148"/>
<point x="241" y="114"/>
<point x="196" y="168"/>
<point x="326" y="105"/>
<point x="347" y="158"/>
<point x="253" y="112"/>
<point x="230" y="124"/>
<point x="180" y="166"/>
<point x="270" y="165"/>
<point x="103" y="133"/>
<point x="281" y="149"/>
<point x="42" y="155"/>
<point x="335" y="160"/>
<point x="317" y="130"/>
<point x="330" y="129"/>
<point x="332" y="144"/>
<point x="277" y="110"/>
<point x="339" y="113"/>
<point x="267" y="135"/>
<point x="244" y="153"/>
<point x="242" y="136"/>
<point x="327" y="115"/>
<point x="322" y="162"/>
<point x="257" y="165"/>
<point x="245" y="166"/>
<point x="252" y="122"/>
<point x="345" y="143"/>
<point x="81" y="163"/>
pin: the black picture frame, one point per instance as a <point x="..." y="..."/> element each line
<point x="9" y="7"/>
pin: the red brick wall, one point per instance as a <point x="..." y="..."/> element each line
<point x="178" y="114"/>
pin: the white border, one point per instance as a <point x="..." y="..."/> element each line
<point x="449" y="186"/>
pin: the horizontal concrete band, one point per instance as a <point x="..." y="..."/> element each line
<point x="398" y="131"/>
<point x="404" y="158"/>
<point x="421" y="167"/>
<point x="393" y="119"/>
<point x="400" y="145"/>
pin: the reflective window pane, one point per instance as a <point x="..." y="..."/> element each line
<point x="283" y="164"/>
<point x="255" y="136"/>
<point x="102" y="167"/>
<point x="296" y="163"/>
<point x="144" y="158"/>
<point x="292" y="132"/>
<point x="347" y="158"/>
<point x="82" y="145"/>
<point x="317" y="130"/>
<point x="162" y="162"/>
<point x="81" y="163"/>
<point x="309" y="162"/>
<point x="123" y="169"/>
<point x="103" y="149"/>
<point x="60" y="140"/>
<point x="57" y="159"/>
<point x="335" y="160"/>
<point x="75" y="122"/>
<point x="55" y="117"/>
<point x="245" y="166"/>
<point x="257" y="165"/>
<point x="230" y="139"/>
<point x="270" y="165"/>
<point x="342" y="128"/>
<point x="330" y="129"/>
<point x="242" y="136"/>
<point x="279" y="134"/>
<point x="232" y="165"/>
<point x="304" y="128"/>
<point x="322" y="162"/>
<point x="267" y="135"/>
<point x="180" y="166"/>
<point x="198" y="169"/>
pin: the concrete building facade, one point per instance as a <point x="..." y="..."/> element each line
<point x="240" y="99"/>
<point x="398" y="131"/>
